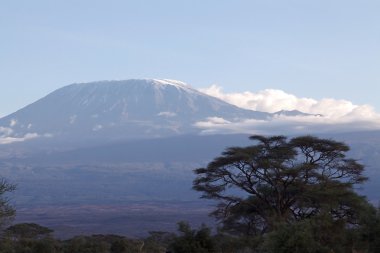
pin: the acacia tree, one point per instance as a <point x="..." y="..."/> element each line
<point x="278" y="181"/>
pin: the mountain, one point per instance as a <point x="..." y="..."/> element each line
<point x="114" y="110"/>
<point x="92" y="148"/>
<point x="294" y="113"/>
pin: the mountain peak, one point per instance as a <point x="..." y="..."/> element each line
<point x="155" y="83"/>
<point x="135" y="108"/>
<point x="170" y="82"/>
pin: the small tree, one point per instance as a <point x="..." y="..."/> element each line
<point x="193" y="241"/>
<point x="28" y="231"/>
<point x="279" y="181"/>
<point x="7" y="212"/>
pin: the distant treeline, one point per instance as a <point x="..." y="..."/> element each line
<point x="33" y="238"/>
<point x="298" y="238"/>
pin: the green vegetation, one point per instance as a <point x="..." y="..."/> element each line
<point x="278" y="181"/>
<point x="7" y="212"/>
<point x="276" y="196"/>
<point x="292" y="195"/>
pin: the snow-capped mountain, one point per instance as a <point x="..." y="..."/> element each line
<point x="119" y="109"/>
<point x="81" y="152"/>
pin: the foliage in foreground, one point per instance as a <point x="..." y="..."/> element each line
<point x="300" y="237"/>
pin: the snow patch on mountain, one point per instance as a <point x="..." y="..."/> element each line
<point x="97" y="128"/>
<point x="73" y="119"/>
<point x="170" y="82"/>
<point x="13" y="122"/>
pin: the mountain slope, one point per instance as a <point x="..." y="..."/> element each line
<point x="120" y="109"/>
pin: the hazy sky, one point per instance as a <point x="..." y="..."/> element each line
<point x="313" y="49"/>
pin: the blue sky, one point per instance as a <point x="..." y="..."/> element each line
<point x="317" y="49"/>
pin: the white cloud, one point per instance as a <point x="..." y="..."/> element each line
<point x="9" y="139"/>
<point x="337" y="115"/>
<point x="268" y="100"/>
<point x="7" y="136"/>
<point x="218" y="121"/>
<point x="167" y="114"/>
<point x="48" y="135"/>
<point x="286" y="125"/>
<point x="5" y="131"/>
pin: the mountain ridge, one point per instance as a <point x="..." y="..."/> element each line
<point x="126" y="109"/>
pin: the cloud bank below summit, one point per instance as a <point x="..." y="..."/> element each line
<point x="7" y="138"/>
<point x="326" y="115"/>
